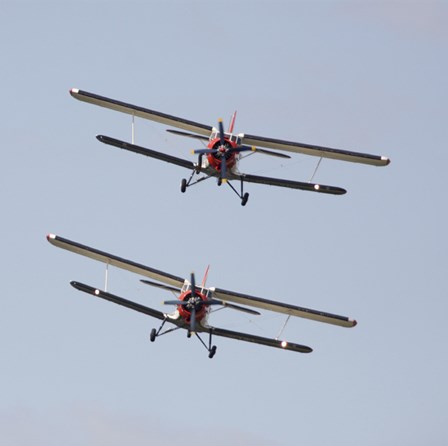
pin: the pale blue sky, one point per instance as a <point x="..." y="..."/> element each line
<point x="367" y="76"/>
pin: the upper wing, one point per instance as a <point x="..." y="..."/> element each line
<point x="113" y="260"/>
<point x="258" y="340"/>
<point x="143" y="151"/>
<point x="141" y="112"/>
<point x="280" y="307"/>
<point x="313" y="187"/>
<point x="308" y="149"/>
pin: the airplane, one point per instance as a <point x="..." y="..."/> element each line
<point x="224" y="149"/>
<point x="193" y="304"/>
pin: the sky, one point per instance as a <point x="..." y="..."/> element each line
<point x="356" y="75"/>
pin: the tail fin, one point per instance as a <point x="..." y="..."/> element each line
<point x="232" y="122"/>
<point x="204" y="280"/>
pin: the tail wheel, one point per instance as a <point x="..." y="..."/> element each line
<point x="183" y="185"/>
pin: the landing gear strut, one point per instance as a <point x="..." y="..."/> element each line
<point x="210" y="348"/>
<point x="244" y="196"/>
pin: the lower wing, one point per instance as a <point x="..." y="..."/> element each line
<point x="258" y="340"/>
<point x="144" y="151"/>
<point x="213" y="330"/>
<point x="312" y="187"/>
<point x="118" y="300"/>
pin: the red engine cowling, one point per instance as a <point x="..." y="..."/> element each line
<point x="189" y="302"/>
<point x="215" y="159"/>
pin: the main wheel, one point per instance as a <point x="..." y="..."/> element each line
<point x="183" y="185"/>
<point x="212" y="352"/>
<point x="219" y="181"/>
<point x="153" y="335"/>
<point x="244" y="199"/>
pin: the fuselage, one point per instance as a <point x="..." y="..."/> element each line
<point x="187" y="301"/>
<point x="221" y="152"/>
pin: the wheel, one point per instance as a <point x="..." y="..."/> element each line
<point x="183" y="185"/>
<point x="219" y="181"/>
<point x="188" y="334"/>
<point x="212" y="352"/>
<point x="153" y="335"/>
<point x="244" y="199"/>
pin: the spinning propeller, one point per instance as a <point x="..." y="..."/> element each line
<point x="226" y="150"/>
<point x="195" y="301"/>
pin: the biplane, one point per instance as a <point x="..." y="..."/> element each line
<point x="194" y="302"/>
<point x="224" y="150"/>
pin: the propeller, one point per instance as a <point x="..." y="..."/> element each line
<point x="225" y="150"/>
<point x="194" y="300"/>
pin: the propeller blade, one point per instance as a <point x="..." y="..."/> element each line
<point x="193" y="286"/>
<point x="189" y="135"/>
<point x="221" y="132"/>
<point x="193" y="319"/>
<point x="175" y="302"/>
<point x="223" y="172"/>
<point x="198" y="151"/>
<point x="160" y="285"/>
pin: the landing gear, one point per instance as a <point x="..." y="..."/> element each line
<point x="212" y="352"/>
<point x="155" y="333"/>
<point x="190" y="182"/>
<point x="244" y="196"/>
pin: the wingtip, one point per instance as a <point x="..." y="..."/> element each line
<point x="74" y="91"/>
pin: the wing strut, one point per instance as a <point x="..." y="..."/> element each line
<point x="315" y="170"/>
<point x="283" y="328"/>
<point x="106" y="278"/>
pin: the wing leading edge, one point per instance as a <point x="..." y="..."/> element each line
<point x="141" y="112"/>
<point x="324" y="152"/>
<point x="113" y="260"/>
<point x="279" y="307"/>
